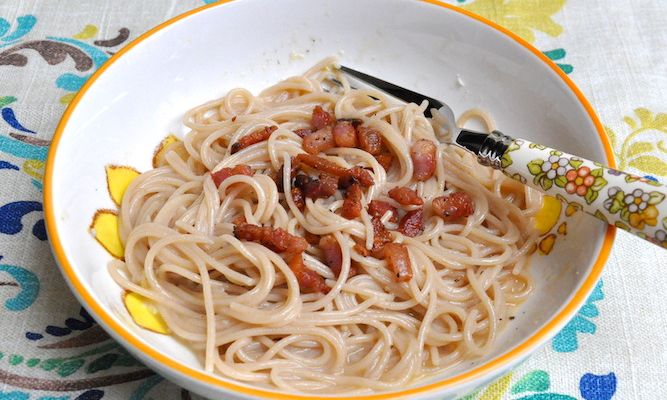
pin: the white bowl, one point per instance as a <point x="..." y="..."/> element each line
<point x="139" y="96"/>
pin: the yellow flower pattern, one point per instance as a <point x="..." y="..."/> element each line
<point x="522" y="17"/>
<point x="639" y="149"/>
<point x="105" y="229"/>
<point x="144" y="313"/>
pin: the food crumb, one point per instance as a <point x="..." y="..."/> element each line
<point x="296" y="56"/>
<point x="460" y="81"/>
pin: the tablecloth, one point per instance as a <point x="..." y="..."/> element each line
<point x="50" y="348"/>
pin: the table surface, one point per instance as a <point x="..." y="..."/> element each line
<point x="615" y="51"/>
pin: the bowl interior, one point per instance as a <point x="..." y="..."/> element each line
<point x="141" y="97"/>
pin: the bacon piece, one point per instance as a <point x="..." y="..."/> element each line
<point x="322" y="164"/>
<point x="378" y="208"/>
<point x="423" y="159"/>
<point x="352" y="204"/>
<point x="301" y="180"/>
<point x="321" y="188"/>
<point x="399" y="261"/>
<point x="308" y="279"/>
<point x="224" y="173"/>
<point x="333" y="256"/>
<point x="381" y="236"/>
<point x="311" y="238"/>
<point x="303" y="132"/>
<point x="297" y="197"/>
<point x="370" y="140"/>
<point x="360" y="248"/>
<point x="345" y="134"/>
<point x="331" y="168"/>
<point x="355" y="267"/>
<point x="278" y="176"/>
<point x="257" y="136"/>
<point x="346" y="181"/>
<point x="278" y="179"/>
<point x="456" y="205"/>
<point x="321" y="118"/>
<point x="329" y="183"/>
<point x="385" y="160"/>
<point x="412" y="223"/>
<point x="319" y="141"/>
<point x="239" y="219"/>
<point x="361" y="175"/>
<point x="276" y="239"/>
<point x="405" y="196"/>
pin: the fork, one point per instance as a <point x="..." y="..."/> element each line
<point x="630" y="202"/>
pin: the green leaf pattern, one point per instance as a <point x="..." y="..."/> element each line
<point x="638" y="209"/>
<point x="506" y="160"/>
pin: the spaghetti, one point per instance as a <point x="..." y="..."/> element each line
<point x="320" y="238"/>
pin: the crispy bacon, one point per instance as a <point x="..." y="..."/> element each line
<point x="278" y="176"/>
<point x="370" y="140"/>
<point x="321" y="188"/>
<point x="385" y="160"/>
<point x="319" y="141"/>
<point x="378" y="208"/>
<point x="333" y="256"/>
<point x="346" y="181"/>
<point x="239" y="219"/>
<point x="412" y="223"/>
<point x="405" y="196"/>
<point x="297" y="197"/>
<point x="303" y="132"/>
<point x="355" y="267"/>
<point x="276" y="239"/>
<point x="423" y="159"/>
<point x="352" y="204"/>
<point x="257" y="136"/>
<point x="329" y="184"/>
<point x="309" y="280"/>
<point x="301" y="180"/>
<point x="456" y="205"/>
<point x="331" y="168"/>
<point x="361" y="175"/>
<point x="224" y="173"/>
<point x="311" y="238"/>
<point x="322" y="164"/>
<point x="399" y="261"/>
<point x="321" y="118"/>
<point x="381" y="236"/>
<point x="360" y="248"/>
<point x="345" y="135"/>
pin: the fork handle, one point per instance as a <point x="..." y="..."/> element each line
<point x="627" y="201"/>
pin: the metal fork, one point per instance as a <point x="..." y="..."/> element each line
<point x="636" y="204"/>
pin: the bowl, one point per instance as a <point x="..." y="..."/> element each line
<point x="140" y="95"/>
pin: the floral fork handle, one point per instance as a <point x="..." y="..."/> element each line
<point x="627" y="201"/>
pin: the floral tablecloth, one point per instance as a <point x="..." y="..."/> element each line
<point x="50" y="348"/>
